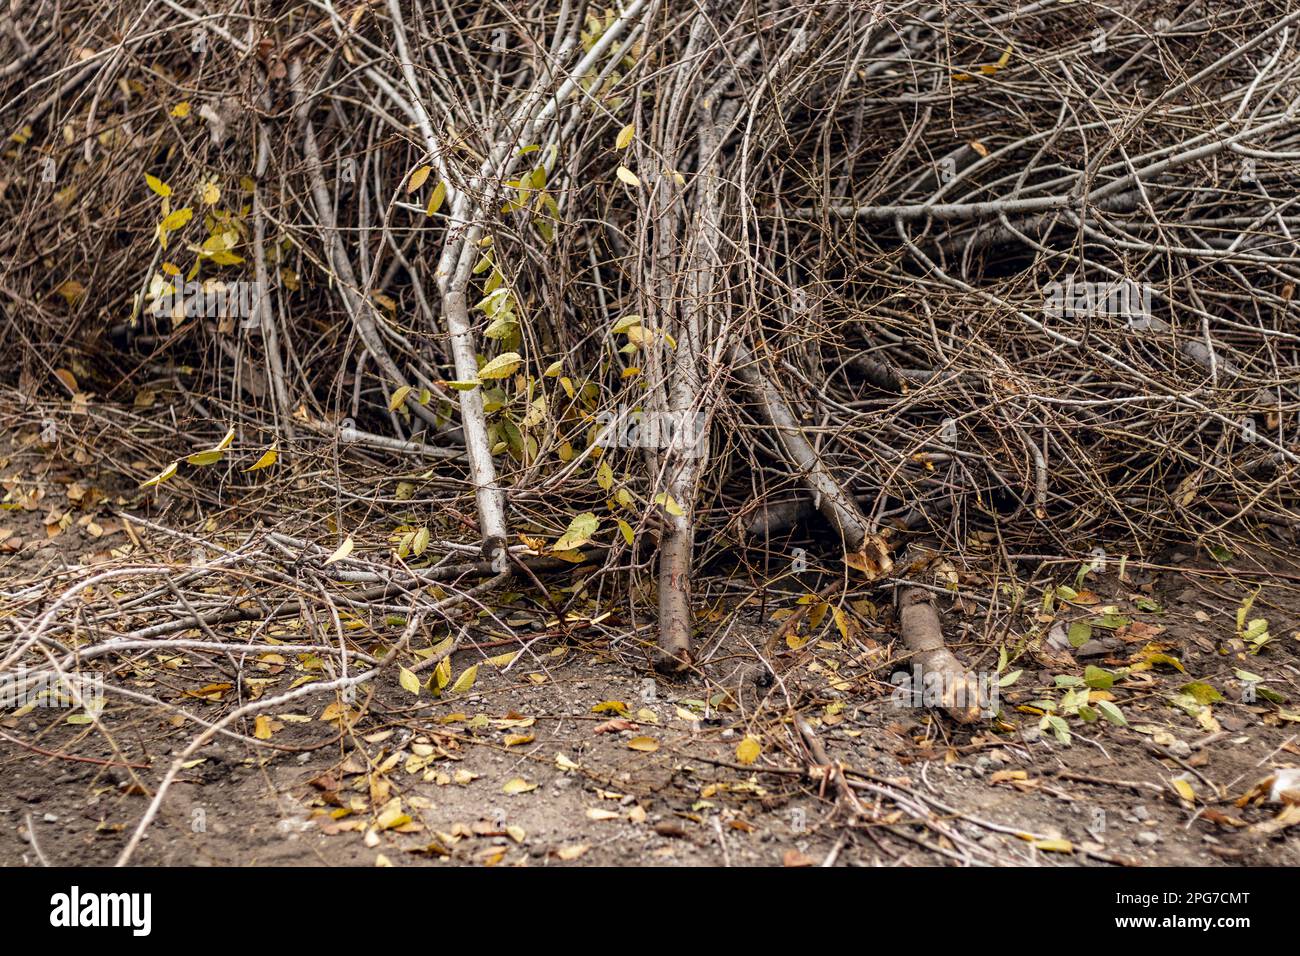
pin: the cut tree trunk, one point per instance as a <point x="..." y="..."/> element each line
<point x="934" y="668"/>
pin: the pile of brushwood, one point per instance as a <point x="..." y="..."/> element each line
<point x="614" y="293"/>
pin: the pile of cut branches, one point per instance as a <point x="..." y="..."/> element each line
<point x="657" y="283"/>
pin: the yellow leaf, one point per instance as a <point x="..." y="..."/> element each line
<point x="644" y="744"/>
<point x="502" y="366"/>
<point x="181" y="109"/>
<point x="211" y="193"/>
<point x="564" y="763"/>
<point x="341" y="552"/>
<point x="841" y="621"/>
<point x="625" y="136"/>
<point x="466" y="680"/>
<point x="417" y="178"/>
<point x="72" y="290"/>
<point x="262" y="727"/>
<point x="398" y="397"/>
<point x="159" y="478"/>
<point x="269" y="458"/>
<point x="1054" y="846"/>
<point x="442" y="673"/>
<point x="157" y="185"/>
<point x="1185" y="790"/>
<point x="669" y="504"/>
<point x="177" y="219"/>
<point x="747" y="750"/>
<point x="436" y="198"/>
<point x="572" y="852"/>
<point x="627" y="176"/>
<point x="580" y="531"/>
<point x="409" y="681"/>
<point x="518" y="785"/>
<point x="391" y="815"/>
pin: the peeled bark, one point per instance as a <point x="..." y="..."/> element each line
<point x="922" y="634"/>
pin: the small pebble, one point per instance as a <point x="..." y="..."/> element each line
<point x="1147" y="838"/>
<point x="1141" y="812"/>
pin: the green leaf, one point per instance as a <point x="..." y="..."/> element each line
<point x="1111" y="713"/>
<point x="1202" y="692"/>
<point x="1220" y="553"/>
<point x="1058" y="726"/>
<point x="1098" y="678"/>
<point x="1080" y="633"/>
<point x="580" y="531"/>
<point x="1111" y="622"/>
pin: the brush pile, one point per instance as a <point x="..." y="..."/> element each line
<point x="662" y="282"/>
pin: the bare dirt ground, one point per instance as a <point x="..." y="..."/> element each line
<point x="572" y="752"/>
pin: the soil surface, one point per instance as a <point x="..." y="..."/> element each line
<point x="571" y="751"/>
